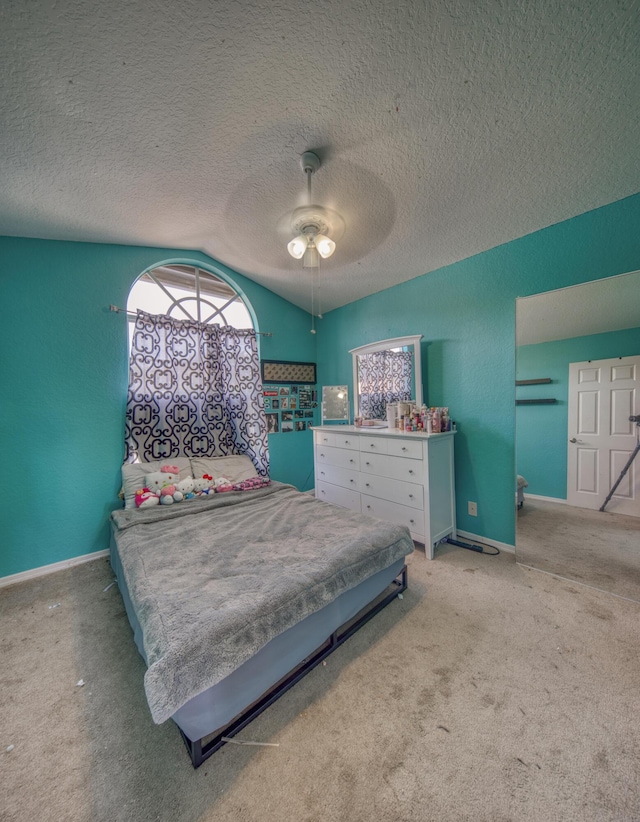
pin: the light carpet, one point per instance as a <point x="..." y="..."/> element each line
<point x="489" y="693"/>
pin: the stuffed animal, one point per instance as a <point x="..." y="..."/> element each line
<point x="202" y="486"/>
<point x="146" y="498"/>
<point x="163" y="484"/>
<point x="185" y="487"/>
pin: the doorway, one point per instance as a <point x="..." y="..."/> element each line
<point x="603" y="395"/>
<point x="594" y="325"/>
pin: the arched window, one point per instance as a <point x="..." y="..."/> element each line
<point x="186" y="292"/>
<point x="194" y="370"/>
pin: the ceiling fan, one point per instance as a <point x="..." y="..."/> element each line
<point x="315" y="228"/>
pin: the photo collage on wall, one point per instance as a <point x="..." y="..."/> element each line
<point x="289" y="407"/>
<point x="290" y="395"/>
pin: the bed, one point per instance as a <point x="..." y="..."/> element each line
<point x="235" y="596"/>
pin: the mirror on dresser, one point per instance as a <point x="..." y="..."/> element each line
<point x="387" y="371"/>
<point x="578" y="369"/>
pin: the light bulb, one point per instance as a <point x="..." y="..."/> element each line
<point x="297" y="246"/>
<point x="325" y="245"/>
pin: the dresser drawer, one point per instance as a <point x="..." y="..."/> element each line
<point x="405" y="448"/>
<point x="342" y="457"/>
<point x="401" y="468"/>
<point x="324" y="438"/>
<point x="343" y="497"/>
<point x="374" y="445"/>
<point x="351" y="442"/>
<point x="392" y="512"/>
<point x="338" y="476"/>
<point x="405" y="493"/>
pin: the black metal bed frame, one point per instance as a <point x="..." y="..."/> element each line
<point x="199" y="751"/>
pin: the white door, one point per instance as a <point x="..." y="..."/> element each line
<point x="603" y="394"/>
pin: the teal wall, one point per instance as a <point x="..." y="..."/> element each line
<point x="466" y="312"/>
<point x="64" y="368"/>
<point x="64" y="383"/>
<point x="542" y="430"/>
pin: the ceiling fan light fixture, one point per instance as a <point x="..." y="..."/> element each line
<point x="325" y="245"/>
<point x="311" y="258"/>
<point x="311" y="224"/>
<point x="297" y="246"/>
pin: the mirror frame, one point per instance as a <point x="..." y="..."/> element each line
<point x="382" y="345"/>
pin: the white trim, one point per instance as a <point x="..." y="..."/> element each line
<point x="503" y="546"/>
<point x="382" y="345"/>
<point x="545" y="499"/>
<point x="44" y="570"/>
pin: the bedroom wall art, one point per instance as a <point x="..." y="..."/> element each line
<point x="290" y="407"/>
<point x="286" y="372"/>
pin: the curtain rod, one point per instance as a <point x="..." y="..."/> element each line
<point x="131" y="314"/>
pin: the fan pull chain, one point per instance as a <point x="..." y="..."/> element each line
<point x="313" y="309"/>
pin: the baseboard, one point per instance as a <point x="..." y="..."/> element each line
<point x="44" y="570"/>
<point x="503" y="546"/>
<point x="544" y="499"/>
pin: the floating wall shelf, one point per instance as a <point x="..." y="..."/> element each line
<point x="547" y="401"/>
<point x="543" y="381"/>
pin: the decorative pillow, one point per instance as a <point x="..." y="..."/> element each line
<point x="235" y="468"/>
<point x="133" y="475"/>
<point x="245" y="485"/>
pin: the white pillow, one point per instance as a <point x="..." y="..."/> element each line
<point x="133" y="474"/>
<point x="235" y="468"/>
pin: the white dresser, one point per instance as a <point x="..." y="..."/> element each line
<point x="407" y="478"/>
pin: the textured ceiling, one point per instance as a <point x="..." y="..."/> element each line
<point x="445" y="127"/>
<point x="591" y="308"/>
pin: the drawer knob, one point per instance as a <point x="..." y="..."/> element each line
<point x="351" y="480"/>
<point x="350" y="460"/>
<point x="322" y="455"/>
<point x="322" y="492"/>
<point x="367" y="484"/>
<point x="410" y="471"/>
<point x="368" y="506"/>
<point x="322" y="473"/>
<point x="412" y="521"/>
<point x="367" y="463"/>
<point x="410" y="496"/>
<point x="371" y="445"/>
<point x="403" y="448"/>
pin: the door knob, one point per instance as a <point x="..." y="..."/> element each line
<point x="573" y="439"/>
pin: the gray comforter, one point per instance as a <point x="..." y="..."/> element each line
<point x="213" y="580"/>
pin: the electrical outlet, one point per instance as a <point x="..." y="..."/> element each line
<point x="473" y="509"/>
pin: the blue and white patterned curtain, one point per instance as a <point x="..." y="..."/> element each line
<point x="194" y="391"/>
<point x="383" y="377"/>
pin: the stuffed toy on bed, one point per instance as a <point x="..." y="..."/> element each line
<point x="186" y="488"/>
<point x="203" y="486"/>
<point x="146" y="498"/>
<point x="163" y="483"/>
